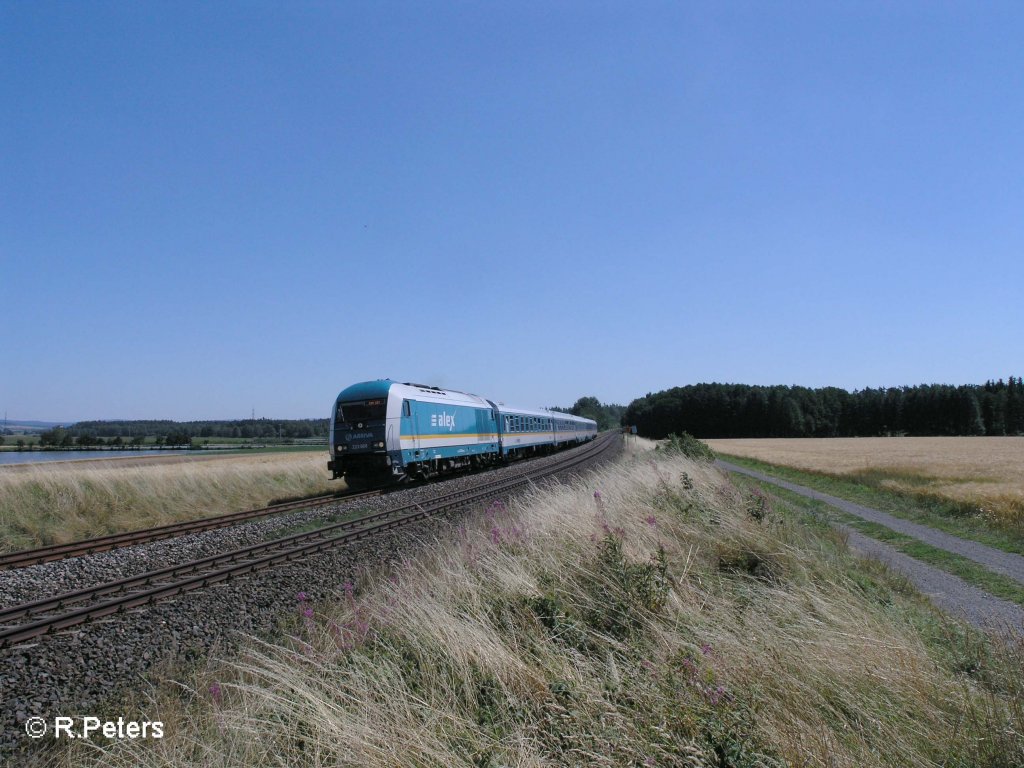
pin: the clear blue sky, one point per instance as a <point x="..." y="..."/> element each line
<point x="207" y="208"/>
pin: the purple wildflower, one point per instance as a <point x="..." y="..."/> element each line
<point x="715" y="695"/>
<point x="215" y="692"/>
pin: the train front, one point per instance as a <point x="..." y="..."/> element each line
<point x="360" y="435"/>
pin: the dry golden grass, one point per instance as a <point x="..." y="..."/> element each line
<point x="985" y="472"/>
<point x="55" y="504"/>
<point x="646" y="616"/>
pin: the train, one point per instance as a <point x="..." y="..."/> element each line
<point x="384" y="432"/>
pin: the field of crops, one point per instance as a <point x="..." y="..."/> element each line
<point x="985" y="472"/>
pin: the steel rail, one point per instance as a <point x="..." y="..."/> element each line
<point x="249" y="559"/>
<point x="53" y="552"/>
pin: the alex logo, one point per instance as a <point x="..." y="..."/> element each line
<point x="443" y="420"/>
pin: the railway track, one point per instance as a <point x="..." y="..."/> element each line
<point x="48" y="554"/>
<point x="22" y="623"/>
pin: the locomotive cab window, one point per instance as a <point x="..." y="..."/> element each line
<point x="406" y="408"/>
<point x="367" y="410"/>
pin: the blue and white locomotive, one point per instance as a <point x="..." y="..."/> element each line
<point x="384" y="432"/>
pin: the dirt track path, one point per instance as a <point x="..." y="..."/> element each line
<point x="949" y="592"/>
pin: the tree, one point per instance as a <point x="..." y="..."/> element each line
<point x="55" y="436"/>
<point x="970" y="414"/>
<point x="1015" y="406"/>
<point x="178" y="438"/>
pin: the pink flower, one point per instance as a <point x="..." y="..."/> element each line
<point x="651" y="521"/>
<point x="302" y="597"/>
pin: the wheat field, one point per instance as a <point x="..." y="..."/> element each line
<point x="985" y="472"/>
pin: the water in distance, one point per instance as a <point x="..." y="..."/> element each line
<point x="32" y="457"/>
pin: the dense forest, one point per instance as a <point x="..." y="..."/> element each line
<point x="741" y="410"/>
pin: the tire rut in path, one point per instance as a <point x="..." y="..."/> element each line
<point x="949" y="592"/>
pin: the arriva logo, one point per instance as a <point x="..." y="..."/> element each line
<point x="443" y="420"/>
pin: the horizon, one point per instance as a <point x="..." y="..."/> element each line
<point x="70" y="422"/>
<point x="251" y="206"/>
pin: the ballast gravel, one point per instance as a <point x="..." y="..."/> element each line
<point x="77" y="672"/>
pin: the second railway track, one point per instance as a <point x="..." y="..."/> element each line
<point x="47" y="554"/>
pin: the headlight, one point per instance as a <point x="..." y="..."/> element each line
<point x="379" y="445"/>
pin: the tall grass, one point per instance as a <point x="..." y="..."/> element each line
<point x="655" y="614"/>
<point x="47" y="505"/>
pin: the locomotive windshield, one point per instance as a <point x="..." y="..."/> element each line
<point x="365" y="410"/>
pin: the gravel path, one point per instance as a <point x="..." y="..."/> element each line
<point x="949" y="592"/>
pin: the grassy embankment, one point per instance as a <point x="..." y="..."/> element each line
<point x="969" y="487"/>
<point x="656" y="614"/>
<point x="49" y="504"/>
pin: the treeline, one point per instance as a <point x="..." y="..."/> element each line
<point x="607" y="415"/>
<point x="741" y="410"/>
<point x="180" y="433"/>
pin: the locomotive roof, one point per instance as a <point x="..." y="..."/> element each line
<point x="366" y="390"/>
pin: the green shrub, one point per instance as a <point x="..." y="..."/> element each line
<point x="689" y="446"/>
